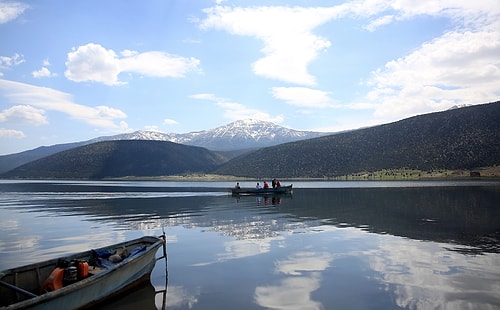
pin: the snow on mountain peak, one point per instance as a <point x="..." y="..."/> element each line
<point x="241" y="134"/>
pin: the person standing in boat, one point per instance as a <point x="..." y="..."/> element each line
<point x="273" y="183"/>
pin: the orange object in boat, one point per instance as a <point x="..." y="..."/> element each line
<point x="54" y="281"/>
<point x="83" y="270"/>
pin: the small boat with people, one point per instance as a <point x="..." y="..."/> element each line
<point x="264" y="189"/>
<point x="83" y="279"/>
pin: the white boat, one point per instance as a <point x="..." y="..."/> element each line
<point x="38" y="285"/>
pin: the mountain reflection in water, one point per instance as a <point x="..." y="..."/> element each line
<point x="320" y="248"/>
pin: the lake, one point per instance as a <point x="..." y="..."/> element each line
<point x="329" y="245"/>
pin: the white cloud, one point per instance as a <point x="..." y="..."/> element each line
<point x="461" y="66"/>
<point x="11" y="61"/>
<point x="236" y="111"/>
<point x="458" y="67"/>
<point x="463" y="12"/>
<point x="10" y="10"/>
<point x="50" y="99"/>
<point x="92" y="62"/>
<point x="351" y="122"/>
<point x="23" y="114"/>
<point x="159" y="64"/>
<point x="303" y="97"/>
<point x="384" y="20"/>
<point x="289" y="44"/>
<point x="169" y="121"/>
<point x="128" y="53"/>
<point x="8" y="62"/>
<point x="10" y="133"/>
<point x="43" y="72"/>
<point x="123" y="126"/>
<point x="109" y="113"/>
<point x="211" y="97"/>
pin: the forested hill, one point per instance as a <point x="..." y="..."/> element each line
<point x="119" y="159"/>
<point x="462" y="138"/>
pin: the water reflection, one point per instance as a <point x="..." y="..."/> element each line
<point x="463" y="216"/>
<point x="143" y="297"/>
<point x="424" y="275"/>
<point x="263" y="199"/>
<point x="458" y="215"/>
<point x="303" y="273"/>
<point x="178" y="298"/>
<point x="376" y="247"/>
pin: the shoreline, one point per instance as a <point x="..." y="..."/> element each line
<point x="479" y="174"/>
<point x="490" y="173"/>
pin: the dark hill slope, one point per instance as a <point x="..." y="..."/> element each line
<point x="234" y="139"/>
<point x="463" y="138"/>
<point x="120" y="158"/>
<point x="11" y="161"/>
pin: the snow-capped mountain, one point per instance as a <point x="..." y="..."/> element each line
<point x="245" y="134"/>
<point x="239" y="135"/>
<point x="139" y="135"/>
<point x="242" y="134"/>
<point x="459" y="106"/>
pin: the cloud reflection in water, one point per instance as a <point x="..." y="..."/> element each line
<point x="425" y="274"/>
<point x="303" y="276"/>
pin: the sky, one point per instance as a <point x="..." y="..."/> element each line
<point x="76" y="70"/>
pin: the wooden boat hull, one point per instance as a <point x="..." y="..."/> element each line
<point x="90" y="290"/>
<point x="262" y="191"/>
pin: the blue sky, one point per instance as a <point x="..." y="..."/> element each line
<point x="75" y="70"/>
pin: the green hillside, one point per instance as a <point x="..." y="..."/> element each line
<point x="121" y="158"/>
<point x="463" y="138"/>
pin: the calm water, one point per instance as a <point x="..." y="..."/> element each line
<point x="331" y="245"/>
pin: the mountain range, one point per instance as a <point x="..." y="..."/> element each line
<point x="461" y="138"/>
<point x="233" y="139"/>
<point x="238" y="135"/>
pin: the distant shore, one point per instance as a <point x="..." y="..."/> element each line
<point x="408" y="174"/>
<point x="383" y="175"/>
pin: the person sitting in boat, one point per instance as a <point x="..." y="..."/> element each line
<point x="237" y="185"/>
<point x="258" y="186"/>
<point x="266" y="185"/>
<point x="278" y="184"/>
